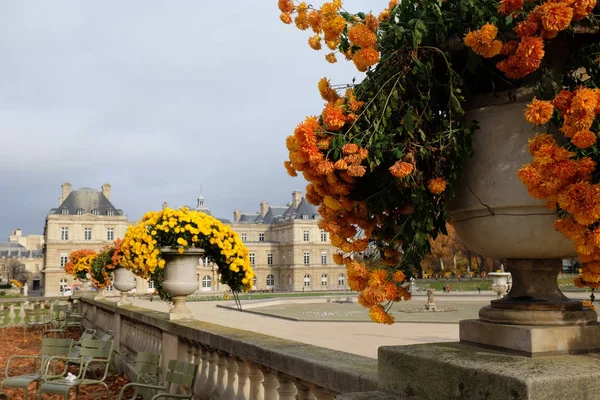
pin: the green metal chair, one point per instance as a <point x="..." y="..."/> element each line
<point x="74" y="320"/>
<point x="50" y="347"/>
<point x="88" y="334"/>
<point x="147" y="366"/>
<point x="94" y="352"/>
<point x="34" y="318"/>
<point x="179" y="373"/>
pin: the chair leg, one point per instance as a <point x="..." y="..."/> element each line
<point x="107" y="391"/>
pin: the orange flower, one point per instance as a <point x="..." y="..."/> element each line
<point x="340" y="165"/>
<point x="286" y="6"/>
<point x="301" y="20"/>
<point x="324" y="167"/>
<point x="286" y="18"/>
<point x="539" y="112"/>
<point x="584" y="139"/>
<point x="331" y="58"/>
<point x="540" y="140"/>
<point x="306" y="137"/>
<point x="364" y="58"/>
<point x="378" y="277"/>
<point x="529" y="175"/>
<point x="350" y="148"/>
<point x="399" y="276"/>
<point x="379" y="315"/>
<point x="509" y="48"/>
<point x="314" y="20"/>
<point x="562" y="101"/>
<point x="437" y="185"/>
<point x="507" y="7"/>
<point x="356" y="170"/>
<point x="333" y="117"/>
<point x="581" y="8"/>
<point x="372" y="22"/>
<point x="289" y="168"/>
<point x="384" y="15"/>
<point x="401" y="169"/>
<point x="333" y="28"/>
<point x="585" y="101"/>
<point x="315" y="42"/>
<point x="577" y="198"/>
<point x="327" y="92"/>
<point x="360" y="35"/>
<point x="555" y="16"/>
<point x="529" y="27"/>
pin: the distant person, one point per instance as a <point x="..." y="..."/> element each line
<point x="592" y="297"/>
<point x="444" y="288"/>
<point x="479" y="289"/>
<point x="448" y="289"/>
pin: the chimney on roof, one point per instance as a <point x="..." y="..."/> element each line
<point x="66" y="190"/>
<point x="264" y="208"/>
<point x="237" y="214"/>
<point x="17" y="232"/>
<point x="164" y="205"/>
<point x="296" y="198"/>
<point x="106" y="190"/>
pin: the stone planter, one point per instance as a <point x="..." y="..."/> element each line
<point x="99" y="294"/>
<point x="180" y="279"/>
<point x="494" y="215"/>
<point x="499" y="283"/>
<point x="124" y="281"/>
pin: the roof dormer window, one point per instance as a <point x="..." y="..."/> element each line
<point x="304" y="216"/>
<point x="80" y="212"/>
<point x="64" y="211"/>
<point x="110" y="213"/>
<point x="94" y="212"/>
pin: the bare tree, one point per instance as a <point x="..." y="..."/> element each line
<point x="13" y="269"/>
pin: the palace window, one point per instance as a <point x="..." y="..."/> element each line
<point x="261" y="237"/>
<point x="323" y="235"/>
<point x="87" y="234"/>
<point x="62" y="285"/>
<point x="206" y="282"/>
<point x="270" y="258"/>
<point x="64" y="233"/>
<point x="323" y="257"/>
<point x="244" y="237"/>
<point x="324" y="280"/>
<point x="306" y="258"/>
<point x="306" y="280"/>
<point x="110" y="234"/>
<point x="341" y="280"/>
<point x="304" y="216"/>
<point x="65" y="211"/>
<point x="306" y="237"/>
<point x="80" y="212"/>
<point x="270" y="281"/>
<point x="64" y="259"/>
<point x="252" y="259"/>
<point x="94" y="212"/>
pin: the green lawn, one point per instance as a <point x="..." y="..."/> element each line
<point x="259" y="296"/>
<point x="462" y="286"/>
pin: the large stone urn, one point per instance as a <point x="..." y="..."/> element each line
<point x="494" y="216"/>
<point x="124" y="282"/>
<point x="180" y="279"/>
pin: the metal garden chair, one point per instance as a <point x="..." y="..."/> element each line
<point x="94" y="352"/>
<point x="34" y="318"/>
<point x="147" y="366"/>
<point x="179" y="374"/>
<point x="108" y="335"/>
<point x="50" y="347"/>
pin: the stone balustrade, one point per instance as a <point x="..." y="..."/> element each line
<point x="12" y="311"/>
<point x="234" y="364"/>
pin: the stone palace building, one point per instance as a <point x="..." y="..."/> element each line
<point x="287" y="249"/>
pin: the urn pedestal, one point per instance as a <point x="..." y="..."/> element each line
<point x="180" y="279"/>
<point x="124" y="282"/>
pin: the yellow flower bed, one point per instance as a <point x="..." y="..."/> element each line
<point x="183" y="229"/>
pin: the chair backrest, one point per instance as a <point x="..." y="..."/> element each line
<point x="56" y="347"/>
<point x="33" y="315"/>
<point x="182" y="374"/>
<point x="88" y="334"/>
<point x="108" y="335"/>
<point x="93" y="348"/>
<point x="147" y="366"/>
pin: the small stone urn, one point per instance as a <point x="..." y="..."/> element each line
<point x="124" y="282"/>
<point x="499" y="283"/>
<point x="86" y="284"/>
<point x="99" y="293"/>
<point x="180" y="279"/>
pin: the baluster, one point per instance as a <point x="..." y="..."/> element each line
<point x="304" y="392"/>
<point x="221" y="370"/>
<point x="202" y="381"/>
<point x="2" y="317"/>
<point x="231" y="377"/>
<point x="256" y="378"/>
<point x="322" y="393"/>
<point x="43" y="304"/>
<point x="211" y="380"/>
<point x="270" y="385"/>
<point x="287" y="389"/>
<point x="11" y="315"/>
<point x="243" y="390"/>
<point x="190" y="355"/>
<point x="198" y="361"/>
<point x="22" y="314"/>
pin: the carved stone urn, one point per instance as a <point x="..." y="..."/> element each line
<point x="495" y="216"/>
<point x="124" y="282"/>
<point x="180" y="279"/>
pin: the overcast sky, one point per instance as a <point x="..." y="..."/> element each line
<point x="157" y="98"/>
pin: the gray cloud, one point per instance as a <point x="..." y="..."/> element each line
<point x="156" y="98"/>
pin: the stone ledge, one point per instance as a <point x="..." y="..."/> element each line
<point x="371" y="396"/>
<point x="335" y="370"/>
<point x="532" y="341"/>
<point x="438" y="371"/>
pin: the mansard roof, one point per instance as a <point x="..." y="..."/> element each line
<point x="304" y="210"/>
<point x="16" y="250"/>
<point x="86" y="201"/>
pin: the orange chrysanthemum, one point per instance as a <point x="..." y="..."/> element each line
<point x="315" y="42"/>
<point x="333" y="117"/>
<point x="508" y="7"/>
<point x="314" y="20"/>
<point x="584" y="139"/>
<point x="365" y="58"/>
<point x="331" y="58"/>
<point x="563" y="100"/>
<point x="436" y="185"/>
<point x="379" y="315"/>
<point x="399" y="276"/>
<point x="327" y="92"/>
<point x="401" y="169"/>
<point x="539" y="112"/>
<point x="555" y="16"/>
<point x="290" y="170"/>
<point x="356" y="170"/>
<point x="286" y="6"/>
<point x="350" y="148"/>
<point x="360" y="35"/>
<point x="372" y="22"/>
<point x="286" y="18"/>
